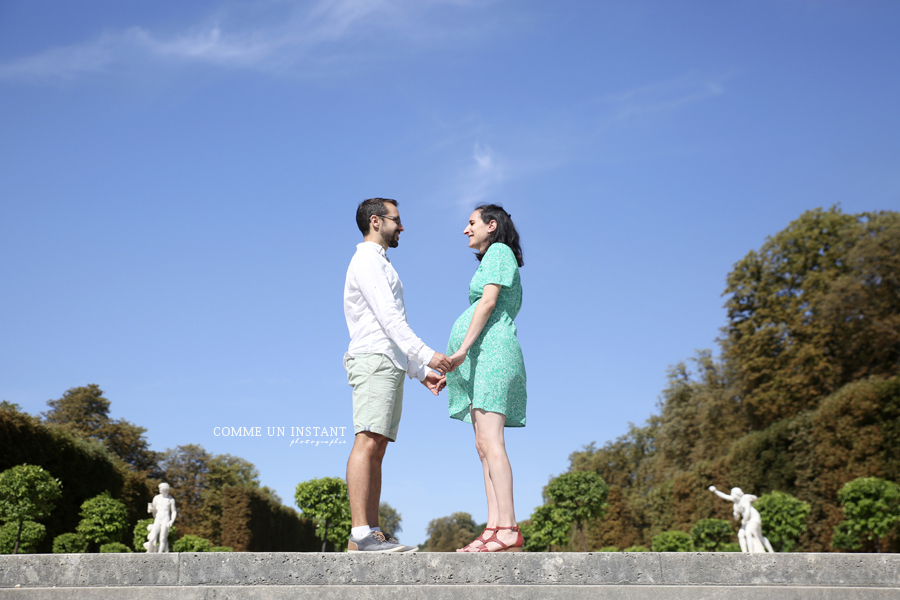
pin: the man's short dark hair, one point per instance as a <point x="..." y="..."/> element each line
<point x="367" y="208"/>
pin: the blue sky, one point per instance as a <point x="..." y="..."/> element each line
<point x="178" y="183"/>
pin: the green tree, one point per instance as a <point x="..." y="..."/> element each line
<point x="325" y="501"/>
<point x="549" y="526"/>
<point x="871" y="510"/>
<point x="103" y="520"/>
<point x="636" y="549"/>
<point x="114" y="548"/>
<point x="815" y="308"/>
<point x="69" y="543"/>
<point x="27" y="493"/>
<point x="783" y="519"/>
<point x="581" y="495"/>
<point x="673" y="541"/>
<point x="609" y="549"/>
<point x="446" y="534"/>
<point x="192" y="543"/>
<point x="28" y="537"/>
<point x="83" y="411"/>
<point x="389" y="519"/>
<point x="709" y="534"/>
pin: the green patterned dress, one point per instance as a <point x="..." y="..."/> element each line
<point x="493" y="375"/>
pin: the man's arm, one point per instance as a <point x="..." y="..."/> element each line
<point x="375" y="289"/>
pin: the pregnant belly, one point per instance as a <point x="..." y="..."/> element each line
<point x="499" y="327"/>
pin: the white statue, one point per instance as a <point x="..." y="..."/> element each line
<point x="750" y="534"/>
<point x="163" y="510"/>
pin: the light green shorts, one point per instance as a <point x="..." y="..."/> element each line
<point x="377" y="394"/>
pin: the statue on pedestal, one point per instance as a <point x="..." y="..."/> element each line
<point x="750" y="535"/>
<point x="163" y="510"/>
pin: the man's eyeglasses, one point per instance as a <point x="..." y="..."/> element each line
<point x="394" y="219"/>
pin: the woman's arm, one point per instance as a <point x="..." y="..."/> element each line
<point x="479" y="319"/>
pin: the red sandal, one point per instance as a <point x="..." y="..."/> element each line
<point x="517" y="546"/>
<point x="480" y="538"/>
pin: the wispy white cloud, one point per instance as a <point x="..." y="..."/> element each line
<point x="661" y="97"/>
<point x="299" y="32"/>
<point x="480" y="179"/>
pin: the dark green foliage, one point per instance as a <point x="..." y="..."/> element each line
<point x="871" y="510"/>
<point x="730" y="547"/>
<point x="783" y="519"/>
<point x="253" y="521"/>
<point x="221" y="549"/>
<point x="103" y="519"/>
<point x="114" y="548"/>
<point x="191" y="543"/>
<point x="578" y="496"/>
<point x="141" y="532"/>
<point x="673" y="541"/>
<point x="636" y="549"/>
<point x="31" y="536"/>
<point x="709" y="535"/>
<point x="609" y="549"/>
<point x="70" y="543"/>
<point x="446" y="534"/>
<point x="325" y="502"/>
<point x="389" y="519"/>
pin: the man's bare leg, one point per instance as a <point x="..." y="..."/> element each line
<point x="374" y="496"/>
<point x="360" y="476"/>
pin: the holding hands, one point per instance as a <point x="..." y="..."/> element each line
<point x="440" y="363"/>
<point x="435" y="382"/>
<point x="457" y="358"/>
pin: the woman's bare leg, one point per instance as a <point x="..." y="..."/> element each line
<point x="489" y="491"/>
<point x="491" y="445"/>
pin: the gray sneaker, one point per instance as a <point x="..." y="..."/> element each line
<point x="393" y="540"/>
<point x="374" y="542"/>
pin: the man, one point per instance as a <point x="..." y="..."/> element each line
<point x="163" y="510"/>
<point x="382" y="349"/>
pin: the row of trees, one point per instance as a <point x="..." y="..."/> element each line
<point x="93" y="453"/>
<point x="804" y="397"/>
<point x="29" y="493"/>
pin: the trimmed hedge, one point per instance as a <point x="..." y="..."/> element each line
<point x="253" y="522"/>
<point x="84" y="467"/>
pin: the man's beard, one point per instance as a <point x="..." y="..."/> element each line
<point x="391" y="240"/>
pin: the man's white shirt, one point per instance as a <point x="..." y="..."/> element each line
<point x="376" y="315"/>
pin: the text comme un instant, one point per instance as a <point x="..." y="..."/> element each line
<point x="277" y="431"/>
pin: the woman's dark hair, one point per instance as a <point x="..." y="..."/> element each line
<point x="505" y="233"/>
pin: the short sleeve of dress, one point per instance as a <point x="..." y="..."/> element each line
<point x="499" y="265"/>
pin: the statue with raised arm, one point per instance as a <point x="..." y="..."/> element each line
<point x="750" y="535"/>
<point x="163" y="510"/>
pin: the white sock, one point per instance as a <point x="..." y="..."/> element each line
<point x="360" y="532"/>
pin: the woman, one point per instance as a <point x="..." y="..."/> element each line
<point x="487" y="384"/>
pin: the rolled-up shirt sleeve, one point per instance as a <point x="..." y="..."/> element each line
<point x="416" y="370"/>
<point x="376" y="290"/>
